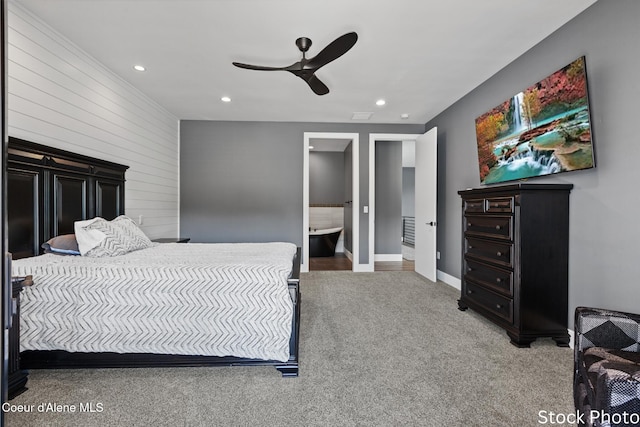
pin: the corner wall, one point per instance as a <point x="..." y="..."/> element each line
<point x="62" y="97"/>
<point x="603" y="266"/>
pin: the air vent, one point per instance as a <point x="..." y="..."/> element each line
<point x="361" y="116"/>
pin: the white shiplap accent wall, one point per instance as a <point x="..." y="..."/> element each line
<point x="62" y="97"/>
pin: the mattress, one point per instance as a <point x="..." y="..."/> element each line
<point x="196" y="299"/>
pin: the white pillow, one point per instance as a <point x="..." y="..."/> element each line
<point x="88" y="237"/>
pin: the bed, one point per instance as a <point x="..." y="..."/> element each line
<point x="151" y="304"/>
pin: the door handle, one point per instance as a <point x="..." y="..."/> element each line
<point x="431" y="223"/>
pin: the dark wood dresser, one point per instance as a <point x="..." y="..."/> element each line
<point x="515" y="252"/>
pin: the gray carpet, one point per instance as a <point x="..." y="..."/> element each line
<point x="386" y="348"/>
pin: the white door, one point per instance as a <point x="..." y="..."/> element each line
<point x="425" y="204"/>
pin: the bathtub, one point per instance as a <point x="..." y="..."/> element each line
<point x="322" y="243"/>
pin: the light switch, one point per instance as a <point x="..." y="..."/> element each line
<point x="365" y="209"/>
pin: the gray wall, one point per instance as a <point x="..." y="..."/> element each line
<point x="242" y="181"/>
<point x="603" y="265"/>
<point x="408" y="191"/>
<point x="388" y="221"/>
<point x="326" y="177"/>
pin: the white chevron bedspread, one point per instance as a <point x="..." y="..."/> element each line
<point x="199" y="299"/>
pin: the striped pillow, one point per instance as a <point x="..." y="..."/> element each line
<point x="130" y="233"/>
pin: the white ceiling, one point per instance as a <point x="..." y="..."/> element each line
<point x="419" y="55"/>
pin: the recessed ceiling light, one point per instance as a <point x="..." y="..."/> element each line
<point x="139" y="68"/>
<point x="380" y="102"/>
<point x="404" y="116"/>
<point x="225" y="99"/>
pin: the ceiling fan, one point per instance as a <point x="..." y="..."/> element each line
<point x="306" y="68"/>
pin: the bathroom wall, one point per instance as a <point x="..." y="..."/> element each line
<point x="326" y="191"/>
<point x="323" y="217"/>
<point x="326" y="178"/>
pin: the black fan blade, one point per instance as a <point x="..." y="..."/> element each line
<point x="333" y="51"/>
<point x="316" y="85"/>
<point x="258" y="67"/>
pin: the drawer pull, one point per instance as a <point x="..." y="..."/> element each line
<point x="499" y="280"/>
<point x="499" y="306"/>
<point x="469" y="269"/>
<point x="499" y="253"/>
<point x="498" y="227"/>
<point x="469" y="291"/>
<point x="469" y="224"/>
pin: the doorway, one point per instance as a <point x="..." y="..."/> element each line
<point x="425" y="198"/>
<point x="349" y="243"/>
<point x="395" y="211"/>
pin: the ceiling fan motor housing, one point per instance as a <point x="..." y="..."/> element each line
<point x="303" y="44"/>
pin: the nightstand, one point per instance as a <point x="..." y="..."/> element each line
<point x="17" y="377"/>
<point x="172" y="240"/>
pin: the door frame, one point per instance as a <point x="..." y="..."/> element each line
<point x="5" y="273"/>
<point x="373" y="138"/>
<point x="355" y="170"/>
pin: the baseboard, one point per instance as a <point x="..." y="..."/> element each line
<point x="387" y="257"/>
<point x="348" y="254"/>
<point x="449" y="279"/>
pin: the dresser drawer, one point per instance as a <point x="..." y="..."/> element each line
<point x="499" y="204"/>
<point x="499" y="227"/>
<point x="497" y="304"/>
<point x="476" y="205"/>
<point x="495" y="252"/>
<point x="497" y="279"/>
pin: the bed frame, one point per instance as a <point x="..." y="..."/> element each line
<point x="51" y="174"/>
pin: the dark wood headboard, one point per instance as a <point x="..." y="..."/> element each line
<point x="49" y="189"/>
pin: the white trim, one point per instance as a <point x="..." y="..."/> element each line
<point x="355" y="151"/>
<point x="571" y="338"/>
<point x="388" y="257"/>
<point x="449" y="279"/>
<point x="363" y="268"/>
<point x="179" y="183"/>
<point x="373" y="137"/>
<point x="348" y="254"/>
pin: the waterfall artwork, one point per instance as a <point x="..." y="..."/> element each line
<point x="544" y="129"/>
